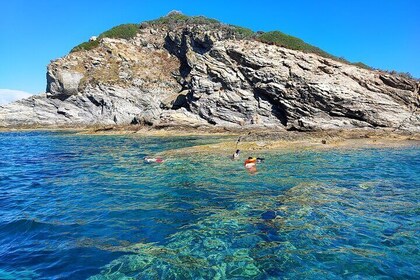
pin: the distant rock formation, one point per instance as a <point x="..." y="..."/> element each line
<point x="193" y="75"/>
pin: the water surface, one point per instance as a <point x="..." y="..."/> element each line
<point x="78" y="206"/>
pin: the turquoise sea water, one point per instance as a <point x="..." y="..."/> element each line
<point x="78" y="207"/>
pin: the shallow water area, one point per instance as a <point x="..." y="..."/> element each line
<point x="85" y="206"/>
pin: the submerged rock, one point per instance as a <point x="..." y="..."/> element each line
<point x="269" y="215"/>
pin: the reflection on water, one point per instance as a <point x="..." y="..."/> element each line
<point x="76" y="207"/>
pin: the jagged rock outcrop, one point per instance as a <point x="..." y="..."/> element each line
<point x="195" y="76"/>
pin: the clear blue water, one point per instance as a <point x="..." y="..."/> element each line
<point x="78" y="207"/>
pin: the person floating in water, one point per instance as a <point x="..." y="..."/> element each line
<point x="251" y="161"/>
<point x="251" y="164"/>
<point x="153" y="160"/>
<point x="260" y="160"/>
<point x="236" y="154"/>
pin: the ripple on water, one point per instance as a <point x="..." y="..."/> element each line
<point x="311" y="230"/>
<point x="85" y="206"/>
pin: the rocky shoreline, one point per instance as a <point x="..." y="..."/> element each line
<point x="252" y="142"/>
<point x="252" y="139"/>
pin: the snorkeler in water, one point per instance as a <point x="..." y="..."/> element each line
<point x="251" y="164"/>
<point x="260" y="160"/>
<point x="236" y="154"/>
<point x="153" y="160"/>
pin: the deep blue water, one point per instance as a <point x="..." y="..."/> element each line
<point x="76" y="207"/>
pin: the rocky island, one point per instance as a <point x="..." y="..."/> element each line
<point x="288" y="162"/>
<point x="193" y="72"/>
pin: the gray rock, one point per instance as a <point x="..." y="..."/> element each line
<point x="192" y="76"/>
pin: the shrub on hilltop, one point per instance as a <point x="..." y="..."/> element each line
<point x="290" y="42"/>
<point x="123" y="31"/>
<point x="176" y="19"/>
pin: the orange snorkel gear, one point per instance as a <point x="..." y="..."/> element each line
<point x="250" y="160"/>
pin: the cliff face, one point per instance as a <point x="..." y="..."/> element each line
<point x="193" y="75"/>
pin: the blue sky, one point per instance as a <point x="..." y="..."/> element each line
<point x="384" y="34"/>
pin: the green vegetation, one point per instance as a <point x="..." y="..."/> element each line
<point x="362" y="65"/>
<point x="290" y="42"/>
<point x="174" y="18"/>
<point x="85" y="46"/>
<point x="178" y="18"/>
<point x="242" y="32"/>
<point x="123" y="31"/>
<point x="406" y="75"/>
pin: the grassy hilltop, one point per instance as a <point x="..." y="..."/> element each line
<point x="128" y="31"/>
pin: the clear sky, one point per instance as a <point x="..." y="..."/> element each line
<point x="383" y="34"/>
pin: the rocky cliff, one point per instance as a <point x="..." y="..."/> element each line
<point x="201" y="74"/>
